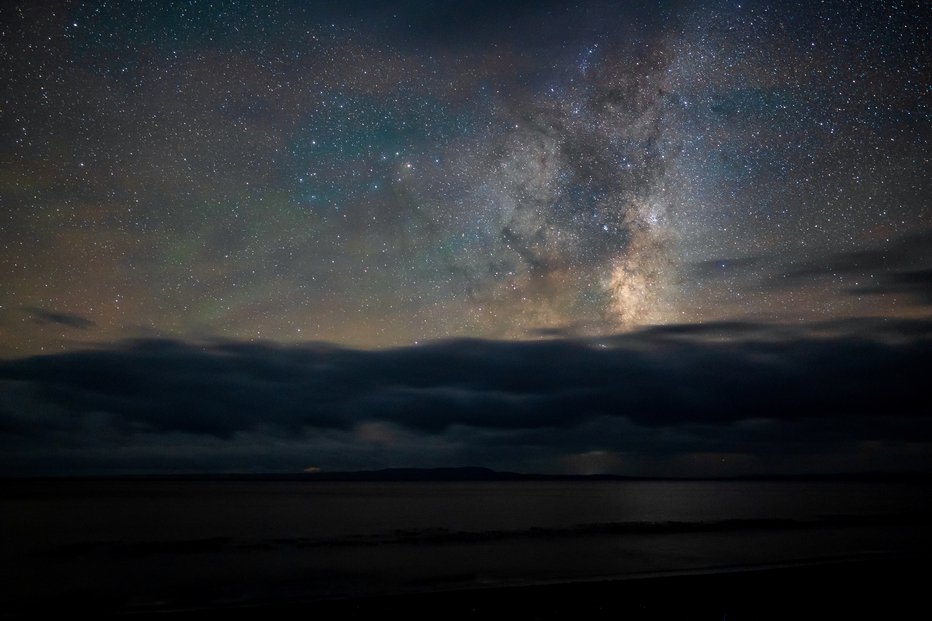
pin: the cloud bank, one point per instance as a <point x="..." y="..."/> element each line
<point x="659" y="401"/>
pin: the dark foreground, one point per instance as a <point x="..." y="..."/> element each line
<point x="878" y="589"/>
<point x="457" y="550"/>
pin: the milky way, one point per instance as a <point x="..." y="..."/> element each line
<point x="380" y="176"/>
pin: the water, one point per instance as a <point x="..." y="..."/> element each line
<point x="133" y="544"/>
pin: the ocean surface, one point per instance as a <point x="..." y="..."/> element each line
<point x="140" y="544"/>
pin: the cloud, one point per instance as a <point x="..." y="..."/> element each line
<point x="905" y="252"/>
<point x="69" y="320"/>
<point x="900" y="266"/>
<point x="917" y="284"/>
<point x="722" y="267"/>
<point x="653" y="391"/>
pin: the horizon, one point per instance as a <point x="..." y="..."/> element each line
<point x="456" y="474"/>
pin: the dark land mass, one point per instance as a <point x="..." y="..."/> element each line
<point x="478" y="474"/>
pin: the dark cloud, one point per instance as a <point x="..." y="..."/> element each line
<point x="916" y="284"/>
<point x="727" y="267"/>
<point x="863" y="381"/>
<point x="900" y="266"/>
<point x="69" y="320"/>
<point x="905" y="252"/>
<point x="711" y="328"/>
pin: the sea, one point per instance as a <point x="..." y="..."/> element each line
<point x="128" y="545"/>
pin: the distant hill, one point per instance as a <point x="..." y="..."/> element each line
<point x="479" y="474"/>
<point x="450" y="474"/>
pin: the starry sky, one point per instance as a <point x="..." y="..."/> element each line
<point x="339" y="184"/>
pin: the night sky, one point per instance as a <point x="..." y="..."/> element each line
<point x="682" y="238"/>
